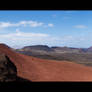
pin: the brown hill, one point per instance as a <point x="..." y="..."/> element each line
<point x="36" y="69"/>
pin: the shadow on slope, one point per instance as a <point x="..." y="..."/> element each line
<point x="8" y="71"/>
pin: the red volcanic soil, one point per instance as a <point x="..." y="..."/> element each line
<point x="36" y="69"/>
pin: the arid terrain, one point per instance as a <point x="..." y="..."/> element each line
<point x="36" y="69"/>
<point x="77" y="55"/>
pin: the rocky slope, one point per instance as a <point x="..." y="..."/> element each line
<point x="35" y="69"/>
<point x="8" y="71"/>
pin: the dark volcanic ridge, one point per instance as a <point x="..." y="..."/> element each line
<point x="8" y="71"/>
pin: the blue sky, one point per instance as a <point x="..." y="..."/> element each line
<point x="53" y="28"/>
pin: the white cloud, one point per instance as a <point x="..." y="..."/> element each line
<point x="31" y="23"/>
<point x="80" y="26"/>
<point x="22" y="38"/>
<point x="23" y="34"/>
<point x="21" y="23"/>
<point x="8" y="24"/>
<point x="35" y="24"/>
<point x="50" y="25"/>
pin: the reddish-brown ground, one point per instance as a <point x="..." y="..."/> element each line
<point x="36" y="69"/>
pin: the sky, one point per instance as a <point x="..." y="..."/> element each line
<point x="52" y="28"/>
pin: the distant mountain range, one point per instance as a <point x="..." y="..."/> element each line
<point x="55" y="49"/>
<point x="79" y="55"/>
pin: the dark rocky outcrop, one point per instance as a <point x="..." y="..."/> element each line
<point x="8" y="71"/>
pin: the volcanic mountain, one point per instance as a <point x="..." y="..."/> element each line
<point x="78" y="55"/>
<point x="35" y="69"/>
<point x="38" y="47"/>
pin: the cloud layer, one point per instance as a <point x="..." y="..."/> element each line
<point x="24" y="23"/>
<point x="23" y="39"/>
